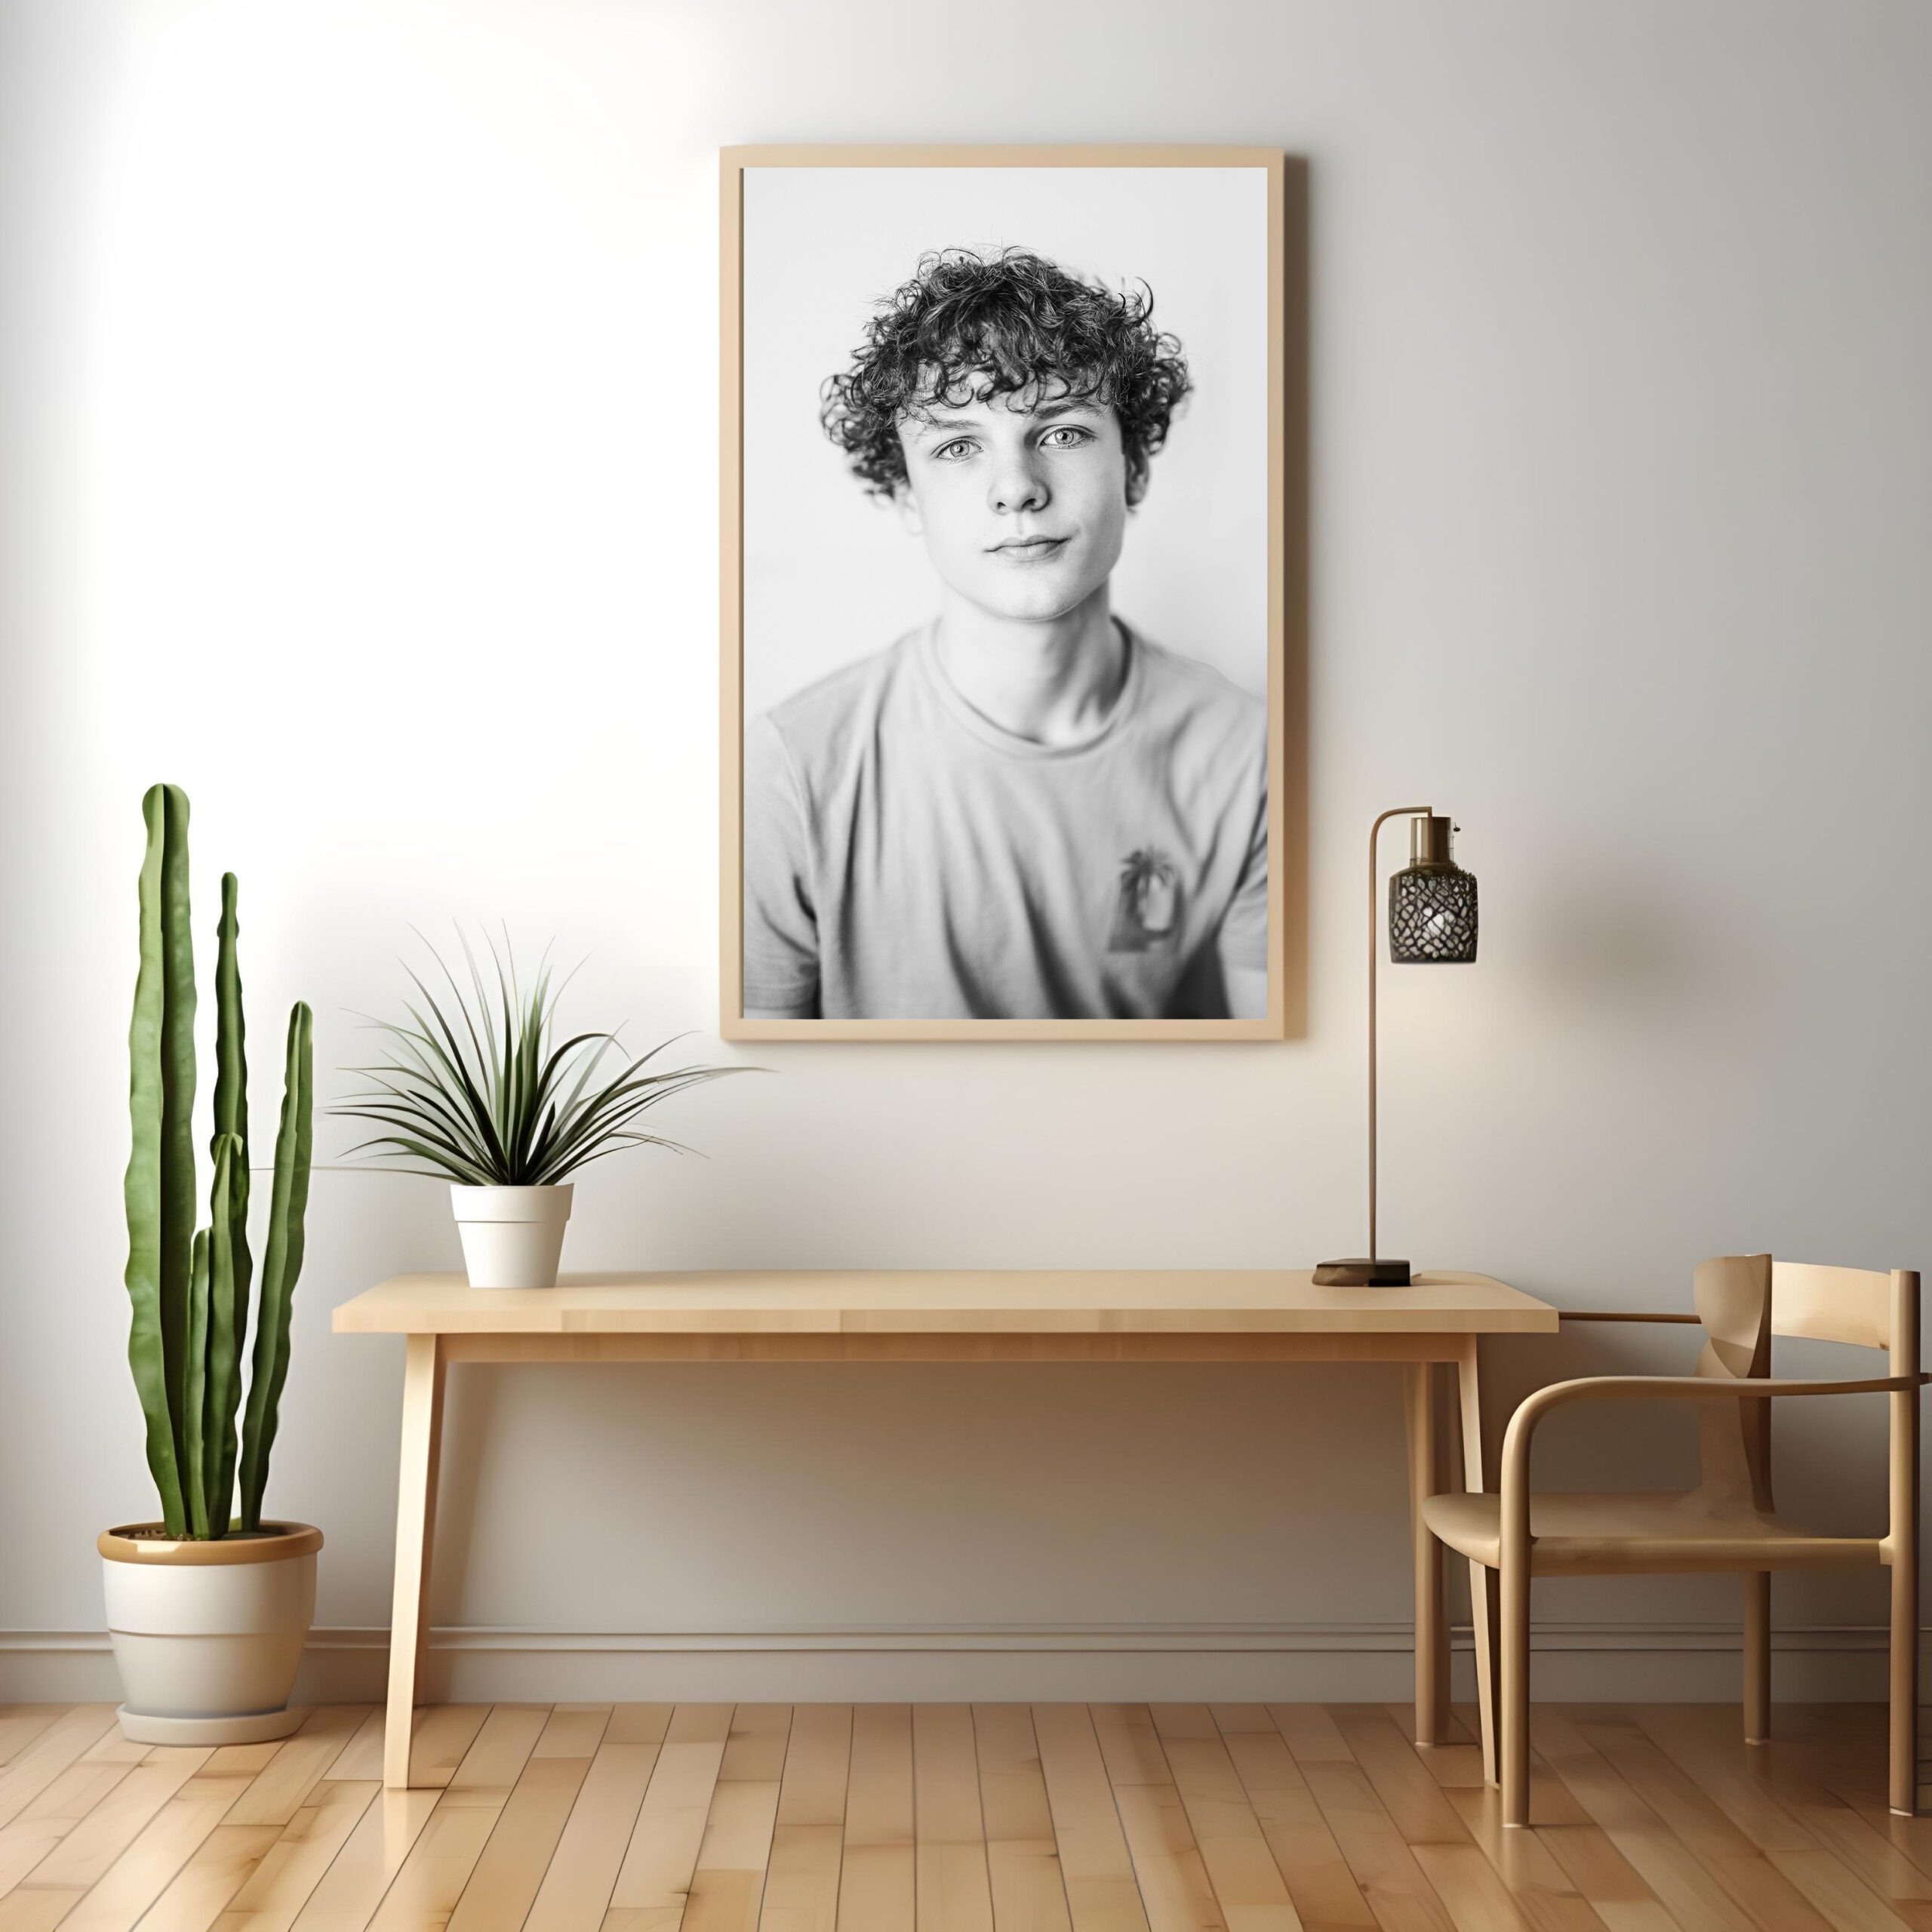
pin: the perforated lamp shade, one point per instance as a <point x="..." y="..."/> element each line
<point x="1433" y="905"/>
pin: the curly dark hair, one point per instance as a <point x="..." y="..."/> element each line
<point x="966" y="329"/>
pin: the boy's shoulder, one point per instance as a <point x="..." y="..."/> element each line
<point x="1183" y="693"/>
<point x="819" y="724"/>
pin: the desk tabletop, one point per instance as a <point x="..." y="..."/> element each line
<point x="977" y="1302"/>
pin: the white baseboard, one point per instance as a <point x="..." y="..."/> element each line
<point x="1695" y="1663"/>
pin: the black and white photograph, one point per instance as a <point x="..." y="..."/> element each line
<point x="1003" y="673"/>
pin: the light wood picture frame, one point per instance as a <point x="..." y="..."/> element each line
<point x="826" y="655"/>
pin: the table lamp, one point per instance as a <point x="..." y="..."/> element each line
<point x="1432" y="922"/>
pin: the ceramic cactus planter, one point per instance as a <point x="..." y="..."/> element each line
<point x="207" y="1633"/>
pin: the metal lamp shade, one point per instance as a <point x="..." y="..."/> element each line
<point x="1432" y="916"/>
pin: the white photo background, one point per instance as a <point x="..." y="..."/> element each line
<point x="831" y="574"/>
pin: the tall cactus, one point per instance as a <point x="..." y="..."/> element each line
<point x="160" y="1184"/>
<point x="189" y="1290"/>
<point x="287" y="1210"/>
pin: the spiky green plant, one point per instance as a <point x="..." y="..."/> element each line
<point x="486" y="1099"/>
<point x="188" y="1288"/>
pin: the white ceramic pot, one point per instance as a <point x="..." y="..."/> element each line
<point x="208" y="1635"/>
<point x="512" y="1236"/>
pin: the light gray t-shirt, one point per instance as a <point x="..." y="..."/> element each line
<point x="906" y="858"/>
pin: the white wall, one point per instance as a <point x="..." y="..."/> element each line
<point x="362" y="479"/>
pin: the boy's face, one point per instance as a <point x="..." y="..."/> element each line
<point x="1022" y="510"/>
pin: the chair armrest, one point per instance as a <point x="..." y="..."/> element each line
<point x="1515" y="1471"/>
<point x="1622" y="1314"/>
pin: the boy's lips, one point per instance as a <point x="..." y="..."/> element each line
<point x="1020" y="549"/>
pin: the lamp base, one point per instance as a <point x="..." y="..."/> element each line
<point x="1379" y="1273"/>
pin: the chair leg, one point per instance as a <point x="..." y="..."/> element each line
<point x="1905" y="1688"/>
<point x="1514" y="1727"/>
<point x="1757" y="1657"/>
<point x="1432" y="1626"/>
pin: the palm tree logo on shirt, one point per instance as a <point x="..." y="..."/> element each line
<point x="1147" y="906"/>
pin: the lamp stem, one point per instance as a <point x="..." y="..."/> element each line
<point x="1375" y="936"/>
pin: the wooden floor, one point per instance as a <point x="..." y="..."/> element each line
<point x="950" y="1817"/>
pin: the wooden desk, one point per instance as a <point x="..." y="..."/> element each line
<point x="1112" y="1315"/>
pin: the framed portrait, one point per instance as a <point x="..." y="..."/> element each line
<point x="1002" y="593"/>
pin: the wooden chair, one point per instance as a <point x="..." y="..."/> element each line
<point x="1727" y="1522"/>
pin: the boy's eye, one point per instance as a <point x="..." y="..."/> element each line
<point x="946" y="451"/>
<point x="1070" y="429"/>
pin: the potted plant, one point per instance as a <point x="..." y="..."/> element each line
<point x="207" y="1609"/>
<point x="487" y="1102"/>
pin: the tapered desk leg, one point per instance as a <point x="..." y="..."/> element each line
<point x="415" y="1520"/>
<point x="1485" y="1597"/>
<point x="1431" y="1628"/>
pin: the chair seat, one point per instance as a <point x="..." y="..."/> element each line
<point x="1584" y="1534"/>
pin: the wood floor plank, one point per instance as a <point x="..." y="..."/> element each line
<point x="1229" y="1718"/>
<point x="1175" y="1888"/>
<point x="638" y="1724"/>
<point x="440" y="1736"/>
<point x="35" y="1911"/>
<point x="877" y="1884"/>
<point x="346" y="1898"/>
<point x="1610" y="1884"/>
<point x="1248" y="1885"/>
<point x="224" y="1861"/>
<point x="700" y="1724"/>
<point x="1311" y="1734"/>
<point x="1172" y="1875"/>
<point x="361" y="1758"/>
<point x="282" y="1786"/>
<point x="755" y="1744"/>
<point x="1398" y="1889"/>
<point x="501" y="1890"/>
<point x="52" y="1815"/>
<point x="1543" y="1891"/>
<point x="21" y="1723"/>
<point x="146" y="1869"/>
<point x="280" y="1886"/>
<point x="83" y="1855"/>
<point x="42" y="1758"/>
<point x="576" y="1889"/>
<point x="1776" y="1793"/>
<point x="1705" y="1745"/>
<point x="1130" y="1744"/>
<point x="801" y="1881"/>
<point x="818" y="1760"/>
<point x="1843" y="1901"/>
<point x="1310" y="1862"/>
<point x="1095" y="1865"/>
<point x="1407" y="1789"/>
<point x="1667" y="1789"/>
<point x="113" y="1746"/>
<point x="1022" y="1861"/>
<point x="1470" y="1889"/>
<point x="426" y="1889"/>
<point x="654" y="1879"/>
<point x="953" y="1887"/>
<point x="1688" y="1889"/>
<point x="1751" y="1876"/>
<point x="574" y="1731"/>
<point x="727" y="1886"/>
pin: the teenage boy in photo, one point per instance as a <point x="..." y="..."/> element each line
<point x="1025" y="808"/>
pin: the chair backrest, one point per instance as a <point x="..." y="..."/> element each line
<point x="1732" y="1295"/>
<point x="1743" y="1300"/>
<point x="1860" y="1305"/>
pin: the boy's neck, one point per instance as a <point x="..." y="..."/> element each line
<point x="1054" y="683"/>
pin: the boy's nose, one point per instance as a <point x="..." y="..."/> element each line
<point x="1017" y="487"/>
